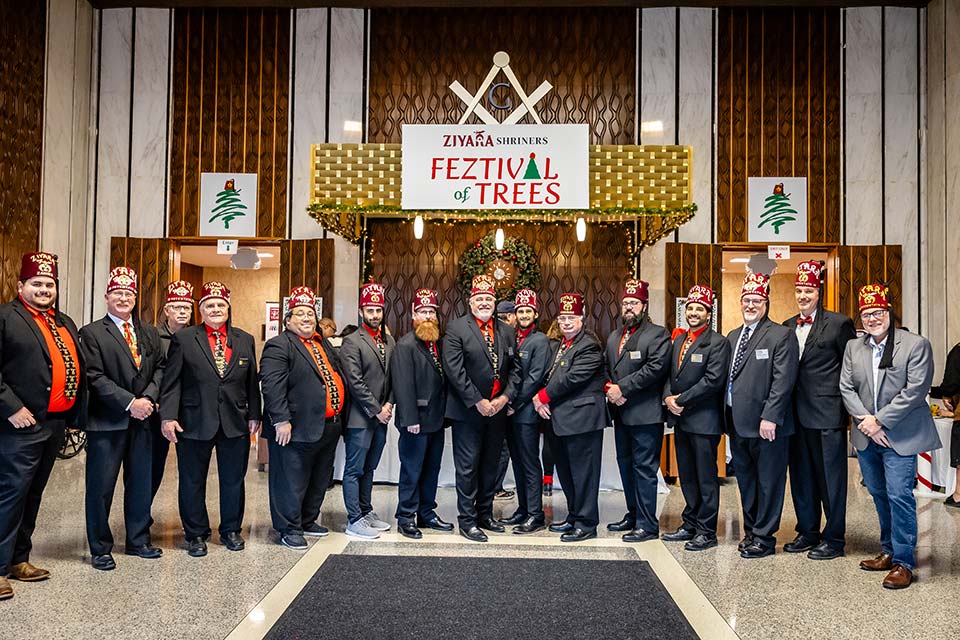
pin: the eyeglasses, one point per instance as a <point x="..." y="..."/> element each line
<point x="873" y="315"/>
<point x="180" y="307"/>
<point x="752" y="302"/>
<point x="303" y="314"/>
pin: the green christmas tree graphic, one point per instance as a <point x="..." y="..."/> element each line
<point x="228" y="205"/>
<point x="777" y="210"/>
<point x="532" y="173"/>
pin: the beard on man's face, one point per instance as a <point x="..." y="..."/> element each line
<point x="427" y="330"/>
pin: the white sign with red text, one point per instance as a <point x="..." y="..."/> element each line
<point x="522" y="166"/>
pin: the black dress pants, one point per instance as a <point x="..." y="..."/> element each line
<point x="158" y="454"/>
<point x="106" y="452"/>
<point x="26" y="460"/>
<point x="578" y="458"/>
<point x="525" y="451"/>
<point x="638" y="457"/>
<point x="762" y="478"/>
<point x="193" y="464"/>
<point x="562" y="464"/>
<point x="818" y="483"/>
<point x="298" y="479"/>
<point x="420" y="457"/>
<point x="699" y="482"/>
<point x="476" y="455"/>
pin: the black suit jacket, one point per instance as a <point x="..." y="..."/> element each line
<point x="763" y="383"/>
<point x="640" y="370"/>
<point x="699" y="382"/>
<point x="113" y="376"/>
<point x="195" y="395"/>
<point x="293" y="387"/>
<point x="469" y="368"/>
<point x="25" y="369"/>
<point x="534" y="358"/>
<point x="575" y="389"/>
<point x="816" y="397"/>
<point x="366" y="377"/>
<point x="419" y="389"/>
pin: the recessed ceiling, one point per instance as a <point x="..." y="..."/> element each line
<point x="207" y="256"/>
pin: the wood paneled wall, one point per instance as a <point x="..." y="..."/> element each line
<point x="688" y="264"/>
<point x="22" y="40"/>
<point x="779" y="111"/>
<point x="863" y="265"/>
<point x="587" y="54"/>
<point x="596" y="267"/>
<point x="151" y="259"/>
<point x="231" y="87"/>
<point x="309" y="263"/>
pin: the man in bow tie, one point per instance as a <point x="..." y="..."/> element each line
<point x="124" y="367"/>
<point x="818" y="447"/>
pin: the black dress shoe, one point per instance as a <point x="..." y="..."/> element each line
<point x="233" y="541"/>
<point x="639" y="535"/>
<point x="409" y="530"/>
<point x="700" y="542"/>
<point x="680" y="535"/>
<point x="474" y="534"/>
<point x="144" y="551"/>
<point x="824" y="551"/>
<point x="103" y="563"/>
<point x="746" y="542"/>
<point x="196" y="547"/>
<point x="516" y="518"/>
<point x="548" y="488"/>
<point x="800" y="544"/>
<point x="578" y="535"/>
<point x="757" y="550"/>
<point x="434" y="523"/>
<point x="626" y="524"/>
<point x="530" y="525"/>
<point x="491" y="525"/>
<point x="561" y="527"/>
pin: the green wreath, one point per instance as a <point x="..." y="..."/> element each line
<point x="480" y="258"/>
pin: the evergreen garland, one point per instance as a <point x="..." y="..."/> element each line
<point x="477" y="259"/>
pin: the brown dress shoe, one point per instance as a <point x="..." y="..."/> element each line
<point x="883" y="562"/>
<point x="899" y="578"/>
<point x="26" y="572"/>
<point x="6" y="591"/>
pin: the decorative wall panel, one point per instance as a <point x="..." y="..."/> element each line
<point x="587" y="54"/>
<point x="22" y="38"/>
<point x="779" y="111"/>
<point x="863" y="265"/>
<point x="231" y="87"/>
<point x="595" y="267"/>
<point x="308" y="263"/>
<point x="688" y="264"/>
<point x="151" y="258"/>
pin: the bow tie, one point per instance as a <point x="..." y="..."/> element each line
<point x="802" y="321"/>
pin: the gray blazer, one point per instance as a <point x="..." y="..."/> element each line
<point x="902" y="407"/>
<point x="366" y="378"/>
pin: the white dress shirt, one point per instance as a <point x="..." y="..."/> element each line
<point x="803" y="330"/>
<point x="752" y="327"/>
<point x="119" y="322"/>
<point x="877" y="355"/>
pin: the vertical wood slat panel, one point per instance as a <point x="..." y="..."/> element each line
<point x="861" y="265"/>
<point x="308" y="263"/>
<point x="778" y="91"/>
<point x="150" y="258"/>
<point x="230" y="94"/>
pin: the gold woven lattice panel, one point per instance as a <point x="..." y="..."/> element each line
<point x="356" y="174"/>
<point x="620" y="175"/>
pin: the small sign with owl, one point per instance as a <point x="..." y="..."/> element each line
<point x="777" y="210"/>
<point x="228" y="204"/>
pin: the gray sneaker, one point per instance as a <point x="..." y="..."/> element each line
<point x="360" y="529"/>
<point x="373" y="520"/>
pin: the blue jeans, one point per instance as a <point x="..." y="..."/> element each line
<point x="890" y="478"/>
<point x="363" y="450"/>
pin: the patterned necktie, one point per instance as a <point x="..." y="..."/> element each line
<point x="686" y="345"/>
<point x="436" y="358"/>
<point x="623" y="339"/>
<point x="131" y="339"/>
<point x="219" y="353"/>
<point x="382" y="349"/>
<point x="738" y="358"/>
<point x="70" y="383"/>
<point x="564" y="345"/>
<point x="488" y="338"/>
<point x="333" y="393"/>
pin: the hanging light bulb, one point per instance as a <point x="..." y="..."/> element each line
<point x="498" y="239"/>
<point x="418" y="227"/>
<point x="581" y="229"/>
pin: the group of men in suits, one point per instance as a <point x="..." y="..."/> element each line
<point x="781" y="392"/>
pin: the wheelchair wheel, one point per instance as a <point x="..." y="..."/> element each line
<point x="73" y="443"/>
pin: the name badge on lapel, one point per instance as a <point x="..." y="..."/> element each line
<point x="242" y="362"/>
<point x="510" y="351"/>
<point x="696" y="357"/>
<point x="636" y="355"/>
<point x="762" y="354"/>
